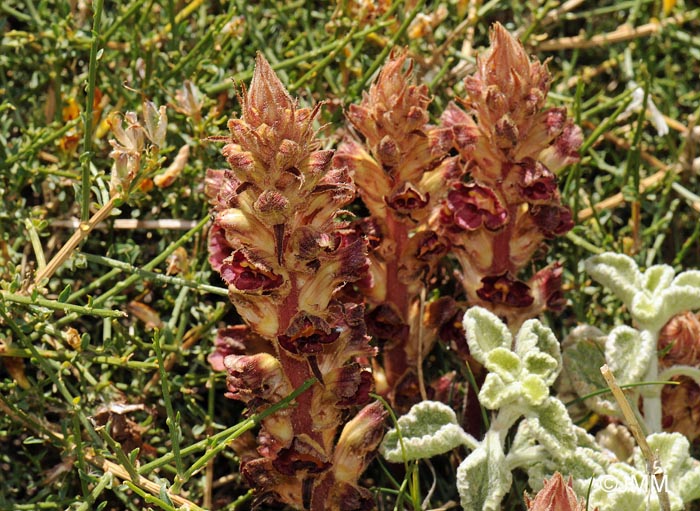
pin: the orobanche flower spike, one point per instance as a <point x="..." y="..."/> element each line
<point x="512" y="148"/>
<point x="400" y="169"/>
<point x="279" y="247"/>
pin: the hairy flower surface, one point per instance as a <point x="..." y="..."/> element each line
<point x="278" y="245"/>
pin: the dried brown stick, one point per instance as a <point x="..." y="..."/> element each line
<point x="623" y="33"/>
<point x="653" y="464"/>
<point x="648" y="182"/>
<point x="78" y="236"/>
<point x="132" y="223"/>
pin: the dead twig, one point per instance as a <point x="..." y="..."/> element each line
<point x="622" y="34"/>
<point x="648" y="182"/>
<point x="654" y="468"/>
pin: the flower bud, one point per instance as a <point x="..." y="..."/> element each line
<point x="556" y="494"/>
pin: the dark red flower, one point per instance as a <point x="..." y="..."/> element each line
<point x="384" y="323"/>
<point x="469" y="206"/>
<point x="352" y="498"/>
<point x="407" y="199"/>
<point x="289" y="462"/>
<point x="422" y="253"/>
<point x="219" y="247"/>
<point x="255" y="378"/>
<point x="229" y="341"/>
<point x="352" y="386"/>
<point x="307" y="334"/>
<point x="553" y="221"/>
<point x="240" y="271"/>
<point x="537" y="183"/>
<point x="546" y="286"/>
<point x="502" y="289"/>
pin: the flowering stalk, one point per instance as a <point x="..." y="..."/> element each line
<point x="400" y="169"/>
<point x="512" y="148"/>
<point x="277" y="244"/>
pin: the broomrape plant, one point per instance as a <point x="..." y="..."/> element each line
<point x="511" y="148"/>
<point x="314" y="286"/>
<point x="275" y="241"/>
<point x="280" y="247"/>
<point x="400" y="170"/>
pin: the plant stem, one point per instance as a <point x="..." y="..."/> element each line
<point x="652" y="398"/>
<point x="103" y="483"/>
<point x="87" y="138"/>
<point x="173" y="420"/>
<point x="118" y="288"/>
<point x="68" y="307"/>
<point x="220" y="441"/>
<point x="157" y="277"/>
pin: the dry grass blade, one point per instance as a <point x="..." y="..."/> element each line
<point x="654" y="467"/>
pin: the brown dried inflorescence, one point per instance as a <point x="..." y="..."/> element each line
<point x="277" y="243"/>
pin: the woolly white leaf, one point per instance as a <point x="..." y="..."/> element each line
<point x="654" y="297"/>
<point x="628" y="353"/>
<point x="647" y="310"/>
<point x="583" y="356"/>
<point x="675" y="300"/>
<point x="495" y="393"/>
<point x="681" y="472"/>
<point x="672" y="449"/>
<point x="533" y="335"/>
<point x="688" y="481"/>
<point x="583" y="463"/>
<point x="485" y="332"/>
<point x="687" y="278"/>
<point x="657" y="278"/>
<point x="551" y="425"/>
<point x="620" y="489"/>
<point x="542" y="365"/>
<point x="428" y="429"/>
<point x="617" y="272"/>
<point x="505" y="363"/>
<point x="535" y="390"/>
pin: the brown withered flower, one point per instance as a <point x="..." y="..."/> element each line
<point x="511" y="148"/>
<point x="679" y="340"/>
<point x="679" y="344"/>
<point x="279" y="246"/>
